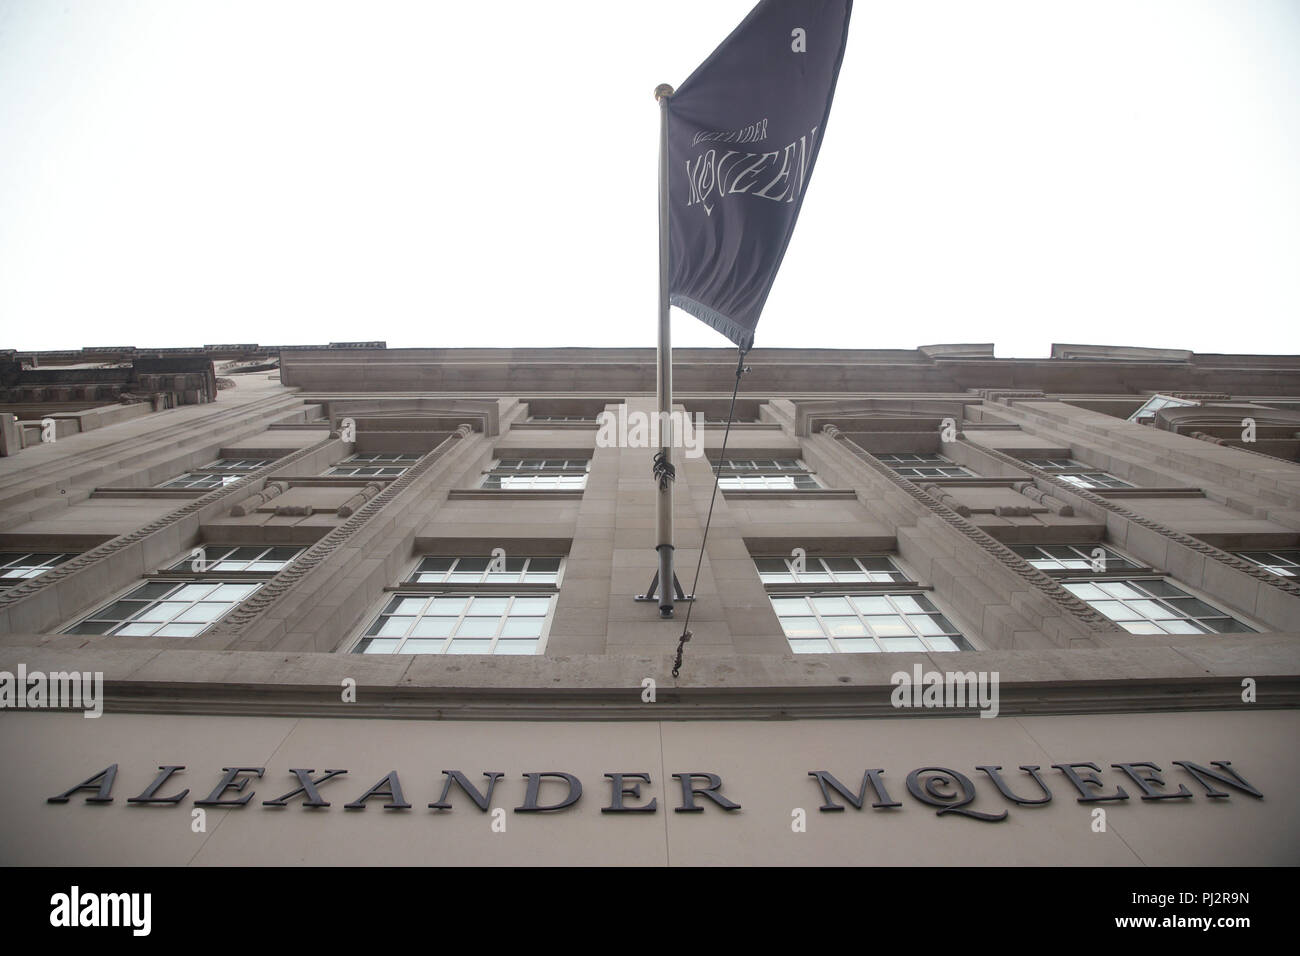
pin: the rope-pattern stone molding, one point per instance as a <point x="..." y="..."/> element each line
<point x="1186" y="540"/>
<point x="253" y="502"/>
<point x="115" y="546"/>
<point x="1092" y="619"/>
<point x="250" y="610"/>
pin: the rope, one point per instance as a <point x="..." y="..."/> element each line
<point x="717" y="473"/>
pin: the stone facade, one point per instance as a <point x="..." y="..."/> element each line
<point x="1187" y="500"/>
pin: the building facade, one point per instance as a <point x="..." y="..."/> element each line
<point x="368" y="605"/>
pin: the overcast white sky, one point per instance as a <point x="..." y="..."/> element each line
<point x="176" y="173"/>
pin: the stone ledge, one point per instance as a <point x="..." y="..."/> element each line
<point x="1182" y="674"/>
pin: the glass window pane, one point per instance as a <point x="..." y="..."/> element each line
<point x="395" y="626"/>
<point x="470" y="647"/>
<point x="787" y="606"/>
<point x="801" y="627"/>
<point x="516" y="647"/>
<point x="907" y="603"/>
<point x="1141" y="627"/>
<point x="942" y="644"/>
<point x="205" y="612"/>
<point x="832" y="605"/>
<point x="194" y="592"/>
<point x="138" y="630"/>
<point x="433" y="627"/>
<point x="447" y="605"/>
<point x="530" y="605"/>
<point x="888" y="626"/>
<point x="871" y="605"/>
<point x="522" y="627"/>
<point x="377" y="647"/>
<point x="407" y="605"/>
<point x="895" y="644"/>
<point x="422" y="647"/>
<point x="179" y="630"/>
<point x="858" y="645"/>
<point x="1118" y="589"/>
<point x="232" y="592"/>
<point x="844" y="626"/>
<point x="482" y="606"/>
<point x="478" y="627"/>
<point x="1115" y="610"/>
<point x="811" y="647"/>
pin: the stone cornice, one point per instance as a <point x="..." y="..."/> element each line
<point x="1197" y="673"/>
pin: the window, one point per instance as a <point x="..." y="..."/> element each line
<point x="857" y="623"/>
<point x="218" y="474"/>
<point x="229" y="558"/>
<point x="765" y="474"/>
<point x="1154" y="606"/>
<point x="862" y="604"/>
<point x="538" y="474"/>
<point x="191" y="595"/>
<point x="467" y="605"/>
<point x="1147" y="413"/>
<point x="484" y="570"/>
<point x="925" y="466"/>
<point x="167" y="608"/>
<point x="1283" y="563"/>
<point x="1073" y="557"/>
<point x="1077" y="473"/>
<point x="872" y="570"/>
<point x="373" y="466"/>
<point x="17" y="566"/>
<point x="586" y="419"/>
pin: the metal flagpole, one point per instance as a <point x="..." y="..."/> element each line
<point x="663" y="466"/>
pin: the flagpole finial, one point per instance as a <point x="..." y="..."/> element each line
<point x="662" y="90"/>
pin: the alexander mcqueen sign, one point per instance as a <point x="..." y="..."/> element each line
<point x="550" y="791"/>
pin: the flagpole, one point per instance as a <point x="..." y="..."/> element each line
<point x="664" y="379"/>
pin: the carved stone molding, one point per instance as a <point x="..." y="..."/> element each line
<point x="1034" y="493"/>
<point x="945" y="496"/>
<point x="253" y="502"/>
<point x="1081" y="611"/>
<point x="361" y="497"/>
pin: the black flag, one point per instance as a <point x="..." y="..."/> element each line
<point x="744" y="131"/>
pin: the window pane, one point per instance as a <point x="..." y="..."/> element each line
<point x="516" y="647"/>
<point x="530" y="605"/>
<point x="470" y="647"/>
<point x="801" y="627"/>
<point x="478" y="627"/>
<point x="422" y="647"/>
<point x="832" y="605"/>
<point x="844" y="627"/>
<point x="858" y="646"/>
<point x="889" y="626"/>
<point x="523" y="627"/>
<point x="811" y="647"/>
<point x="433" y="627"/>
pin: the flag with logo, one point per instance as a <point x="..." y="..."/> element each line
<point x="744" y="131"/>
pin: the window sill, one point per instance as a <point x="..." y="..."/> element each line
<point x="512" y="494"/>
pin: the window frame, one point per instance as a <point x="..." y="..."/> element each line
<point x="762" y="472"/>
<point x="497" y="470"/>
<point x="458" y="589"/>
<point x="928" y="460"/>
<point x="399" y="462"/>
<point x="1248" y="626"/>
<point x="852" y="590"/>
<point x="18" y="554"/>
